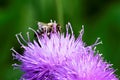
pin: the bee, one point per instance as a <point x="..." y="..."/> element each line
<point x="47" y="28"/>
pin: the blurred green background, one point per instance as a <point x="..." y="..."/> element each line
<point x="101" y="18"/>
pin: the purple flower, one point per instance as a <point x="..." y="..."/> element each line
<point x="62" y="57"/>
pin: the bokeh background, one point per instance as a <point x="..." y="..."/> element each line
<point x="101" y="18"/>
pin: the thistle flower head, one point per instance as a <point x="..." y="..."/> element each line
<point x="60" y="56"/>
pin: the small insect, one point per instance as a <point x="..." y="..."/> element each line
<point x="47" y="28"/>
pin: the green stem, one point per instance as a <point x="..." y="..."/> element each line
<point x="59" y="12"/>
